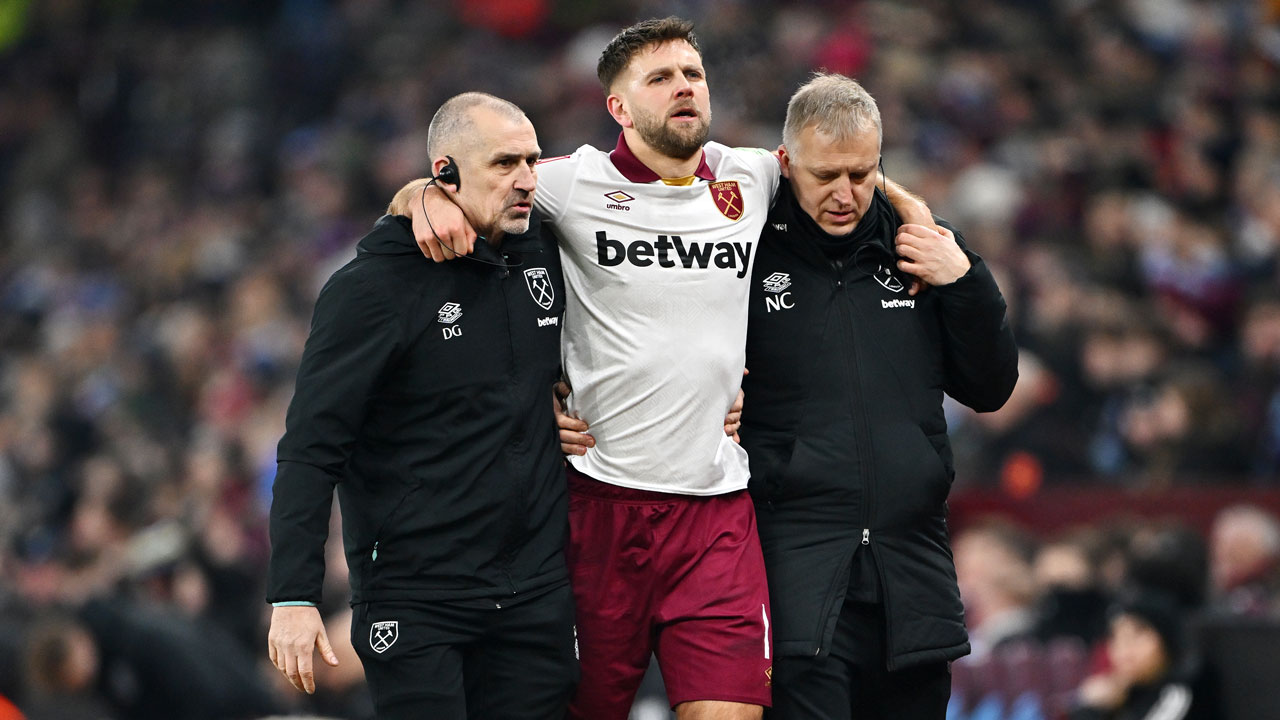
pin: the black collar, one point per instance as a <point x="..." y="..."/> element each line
<point x="875" y="229"/>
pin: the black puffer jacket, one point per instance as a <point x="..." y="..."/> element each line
<point x="845" y="428"/>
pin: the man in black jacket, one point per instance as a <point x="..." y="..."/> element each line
<point x="451" y="484"/>
<point x="850" y="462"/>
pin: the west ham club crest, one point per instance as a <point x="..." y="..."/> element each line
<point x="728" y="198"/>
<point x="382" y="635"/>
<point x="540" y="287"/>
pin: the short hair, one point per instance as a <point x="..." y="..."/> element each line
<point x="1260" y="524"/>
<point x="453" y="118"/>
<point x="625" y="45"/>
<point x="835" y="105"/>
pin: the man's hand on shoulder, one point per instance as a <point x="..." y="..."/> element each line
<point x="440" y="228"/>
<point x="295" y="632"/>
<point x="931" y="255"/>
<point x="911" y="209"/>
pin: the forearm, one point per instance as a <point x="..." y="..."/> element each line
<point x="911" y="207"/>
<point x="407" y="194"/>
<point x="299" y="527"/>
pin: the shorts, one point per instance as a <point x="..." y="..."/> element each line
<point x="476" y="659"/>
<point x="679" y="576"/>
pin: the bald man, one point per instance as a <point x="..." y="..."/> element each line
<point x="451" y="485"/>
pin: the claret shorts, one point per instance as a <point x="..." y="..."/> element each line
<point x="679" y="576"/>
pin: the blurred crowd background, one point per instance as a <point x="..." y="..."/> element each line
<point x="179" y="179"/>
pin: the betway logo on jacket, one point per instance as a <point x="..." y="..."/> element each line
<point x="672" y="251"/>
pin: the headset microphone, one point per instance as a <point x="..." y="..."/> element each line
<point x="449" y="174"/>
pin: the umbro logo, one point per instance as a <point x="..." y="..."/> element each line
<point x="619" y="199"/>
<point x="449" y="312"/>
<point x="779" y="285"/>
<point x="777" y="282"/>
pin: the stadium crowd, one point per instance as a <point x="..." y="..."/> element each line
<point x="179" y="179"/>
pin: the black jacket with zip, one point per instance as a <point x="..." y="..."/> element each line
<point x="845" y="429"/>
<point x="424" y="395"/>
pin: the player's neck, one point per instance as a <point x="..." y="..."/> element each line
<point x="664" y="165"/>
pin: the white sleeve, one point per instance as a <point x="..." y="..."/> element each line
<point x="555" y="185"/>
<point x="764" y="165"/>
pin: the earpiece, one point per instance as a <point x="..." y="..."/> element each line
<point x="450" y="175"/>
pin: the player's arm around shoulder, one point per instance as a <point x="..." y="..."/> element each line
<point x="763" y="167"/>
<point x="439" y="226"/>
<point x="556" y="177"/>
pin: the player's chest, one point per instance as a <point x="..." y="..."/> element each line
<point x="708" y="226"/>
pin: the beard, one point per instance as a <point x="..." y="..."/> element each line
<point x="513" y="225"/>
<point x="669" y="141"/>
<point x="509" y="222"/>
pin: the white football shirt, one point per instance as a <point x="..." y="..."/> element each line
<point x="655" y="327"/>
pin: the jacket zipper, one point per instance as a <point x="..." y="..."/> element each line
<point x="377" y="535"/>
<point x="519" y="437"/>
<point x="865" y="461"/>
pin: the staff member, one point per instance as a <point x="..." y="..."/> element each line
<point x="843" y="425"/>
<point x="451" y="483"/>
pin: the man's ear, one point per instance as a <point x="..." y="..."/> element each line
<point x="785" y="161"/>
<point x="448" y="182"/>
<point x="618" y="109"/>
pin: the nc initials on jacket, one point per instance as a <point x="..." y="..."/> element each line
<point x="641" y="253"/>
<point x="781" y="301"/>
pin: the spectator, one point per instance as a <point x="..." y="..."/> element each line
<point x="1245" y="561"/>
<point x="1145" y="647"/>
<point x="63" y="666"/>
<point x="1257" y="388"/>
<point x="1168" y="557"/>
<point x="993" y="566"/>
<point x="1072" y="602"/>
<point x="1182" y="426"/>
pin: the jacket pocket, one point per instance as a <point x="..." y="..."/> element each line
<point x="942" y="450"/>
<point x="385" y="533"/>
